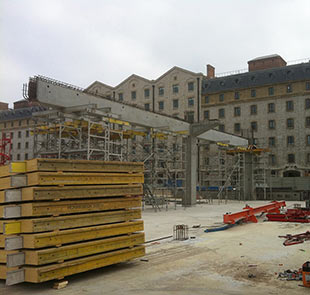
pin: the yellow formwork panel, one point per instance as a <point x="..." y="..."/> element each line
<point x="83" y="166"/>
<point x="45" y="193"/>
<point x="10" y="227"/>
<point x="12" y="168"/>
<point x="50" y="178"/>
<point x="67" y="222"/>
<point x="41" y="240"/>
<point x="51" y="255"/>
<point x="55" y="271"/>
<point x="77" y="206"/>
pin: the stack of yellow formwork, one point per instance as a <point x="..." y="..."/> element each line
<point x="61" y="217"/>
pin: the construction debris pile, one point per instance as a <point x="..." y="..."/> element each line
<point x="61" y="217"/>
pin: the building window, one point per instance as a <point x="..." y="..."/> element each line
<point x="18" y="157"/>
<point x="221" y="97"/>
<point x="161" y="105"/>
<point x="289" y="88"/>
<point x="19" y="134"/>
<point x="253" y="92"/>
<point x="175" y="88"/>
<point x="307" y="121"/>
<point x="308" y="140"/>
<point x="147" y="93"/>
<point x="4" y="124"/>
<point x="207" y="99"/>
<point x="26" y="145"/>
<point x="206" y="114"/>
<point x="290" y="140"/>
<point x="190" y="86"/>
<point x="19" y="146"/>
<point x="189" y="117"/>
<point x="289" y="106"/>
<point x="307" y="85"/>
<point x="133" y="95"/>
<point x="237" y="95"/>
<point x="270" y="91"/>
<point x="271" y="124"/>
<point x="12" y="124"/>
<point x="291" y="158"/>
<point x="147" y="106"/>
<point x="272" y="160"/>
<point x="308" y="158"/>
<point x="175" y="103"/>
<point x="221" y="113"/>
<point x="272" y="141"/>
<point x="12" y="135"/>
<point x="11" y="146"/>
<point x="307" y="103"/>
<point x="253" y="109"/>
<point x="26" y="156"/>
<point x="237" y="127"/>
<point x="20" y="123"/>
<point x="191" y="102"/>
<point x="161" y="91"/>
<point x="222" y="127"/>
<point x="27" y="133"/>
<point x="271" y="107"/>
<point x="254" y="126"/>
<point x="120" y="97"/>
<point x="290" y="123"/>
<point x="237" y="111"/>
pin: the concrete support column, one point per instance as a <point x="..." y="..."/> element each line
<point x="248" y="183"/>
<point x="191" y="171"/>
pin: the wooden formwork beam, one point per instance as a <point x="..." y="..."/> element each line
<point x="44" y="224"/>
<point x="68" y="192"/>
<point x="54" y="178"/>
<point x="52" y="255"/>
<point x="70" y="166"/>
<point x="57" y="238"/>
<point x="68" y="207"/>
<point x="56" y="271"/>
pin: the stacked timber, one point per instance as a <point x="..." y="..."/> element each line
<point x="62" y="217"/>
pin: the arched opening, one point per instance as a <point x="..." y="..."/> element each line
<point x="291" y="173"/>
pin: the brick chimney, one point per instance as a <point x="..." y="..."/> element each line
<point x="266" y="62"/>
<point x="210" y="72"/>
<point x="4" y="106"/>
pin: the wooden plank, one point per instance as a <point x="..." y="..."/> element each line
<point x="83" y="166"/>
<point x="41" y="240"/>
<point x="46" y="273"/>
<point x="67" y="222"/>
<point x="54" y="178"/>
<point x="12" y="169"/>
<point x="51" y="255"/>
<point x="4" y="269"/>
<point x="69" y="207"/>
<point x="14" y="181"/>
<point x="69" y="192"/>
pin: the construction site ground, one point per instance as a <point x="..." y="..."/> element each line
<point x="245" y="259"/>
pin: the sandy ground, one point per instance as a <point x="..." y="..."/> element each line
<point x="208" y="263"/>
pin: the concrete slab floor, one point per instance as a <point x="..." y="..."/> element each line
<point x="210" y="263"/>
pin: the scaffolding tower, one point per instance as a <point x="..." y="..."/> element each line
<point x="84" y="133"/>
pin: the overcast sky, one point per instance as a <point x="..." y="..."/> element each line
<point x="80" y="41"/>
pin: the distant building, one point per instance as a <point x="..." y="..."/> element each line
<point x="17" y="124"/>
<point x="270" y="104"/>
<point x="176" y="93"/>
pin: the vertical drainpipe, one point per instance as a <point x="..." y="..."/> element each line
<point x="198" y="120"/>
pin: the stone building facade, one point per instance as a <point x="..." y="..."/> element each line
<point x="17" y="124"/>
<point x="271" y="106"/>
<point x="177" y="93"/>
